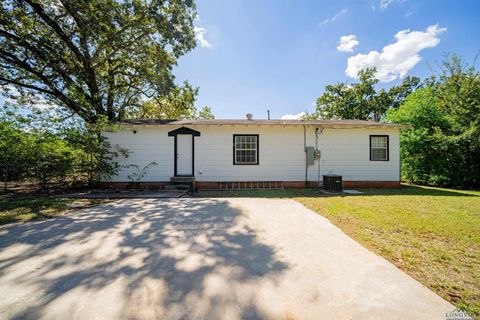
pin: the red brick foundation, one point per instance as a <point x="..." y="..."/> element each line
<point x="202" y="185"/>
<point x="128" y="185"/>
<point x="215" y="185"/>
<point x="237" y="185"/>
<point x="294" y="184"/>
<point x="371" y="184"/>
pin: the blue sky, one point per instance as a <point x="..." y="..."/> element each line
<point x="279" y="55"/>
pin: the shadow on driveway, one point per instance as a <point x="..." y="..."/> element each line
<point x="135" y="259"/>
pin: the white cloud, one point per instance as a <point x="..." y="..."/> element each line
<point x="297" y="116"/>
<point x="347" y="43"/>
<point x="200" y="37"/>
<point x="384" y="4"/>
<point x="335" y="17"/>
<point x="398" y="58"/>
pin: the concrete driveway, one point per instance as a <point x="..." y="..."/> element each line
<point x="200" y="259"/>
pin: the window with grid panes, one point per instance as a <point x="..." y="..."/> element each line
<point x="379" y="148"/>
<point x="245" y="149"/>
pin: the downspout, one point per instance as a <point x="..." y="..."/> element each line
<point x="399" y="170"/>
<point x="316" y="148"/>
<point x="305" y="150"/>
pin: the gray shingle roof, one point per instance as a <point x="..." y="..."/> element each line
<point x="323" y="123"/>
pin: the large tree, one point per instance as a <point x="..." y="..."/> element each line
<point x="361" y="100"/>
<point x="96" y="58"/>
<point x="428" y="156"/>
<point x="443" y="146"/>
<point x="458" y="91"/>
<point x="178" y="104"/>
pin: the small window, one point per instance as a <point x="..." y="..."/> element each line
<point x="245" y="149"/>
<point x="378" y="148"/>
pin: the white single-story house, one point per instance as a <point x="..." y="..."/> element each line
<point x="251" y="153"/>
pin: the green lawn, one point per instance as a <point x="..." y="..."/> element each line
<point x="21" y="208"/>
<point x="433" y="234"/>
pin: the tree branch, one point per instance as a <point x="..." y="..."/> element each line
<point x="54" y="90"/>
<point x="58" y="30"/>
<point x="26" y="85"/>
<point x="51" y="63"/>
<point x="90" y="73"/>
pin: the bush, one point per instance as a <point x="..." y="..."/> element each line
<point x="77" y="155"/>
<point x="443" y="146"/>
<point x="95" y="160"/>
<point x="54" y="161"/>
<point x="15" y="153"/>
<point x="423" y="148"/>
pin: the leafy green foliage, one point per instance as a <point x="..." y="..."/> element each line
<point x="96" y="160"/>
<point x="361" y="100"/>
<point x="15" y="153"/>
<point x="205" y="113"/>
<point x="458" y="89"/>
<point x="53" y="160"/>
<point x="45" y="157"/>
<point x="424" y="149"/>
<point x="94" y="58"/>
<point x="77" y="155"/>
<point x="138" y="174"/>
<point x="179" y="104"/>
<point x="443" y="148"/>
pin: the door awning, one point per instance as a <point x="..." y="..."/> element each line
<point x="184" y="130"/>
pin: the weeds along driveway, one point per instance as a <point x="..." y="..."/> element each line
<point x="200" y="259"/>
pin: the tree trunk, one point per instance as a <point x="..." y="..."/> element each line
<point x="110" y="92"/>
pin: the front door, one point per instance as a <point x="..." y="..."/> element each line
<point x="184" y="155"/>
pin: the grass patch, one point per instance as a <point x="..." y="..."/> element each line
<point x="433" y="234"/>
<point x="22" y="208"/>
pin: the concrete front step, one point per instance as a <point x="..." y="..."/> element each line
<point x="184" y="180"/>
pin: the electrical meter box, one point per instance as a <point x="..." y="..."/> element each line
<point x="310" y="151"/>
<point x="316" y="154"/>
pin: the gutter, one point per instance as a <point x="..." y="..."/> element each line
<point x="316" y="148"/>
<point x="305" y="150"/>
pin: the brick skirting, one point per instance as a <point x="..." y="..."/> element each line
<point x="371" y="184"/>
<point x="215" y="185"/>
<point x="238" y="185"/>
<point x="128" y="185"/>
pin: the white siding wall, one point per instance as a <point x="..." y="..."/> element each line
<point x="147" y="145"/>
<point x="347" y="152"/>
<point x="282" y="156"/>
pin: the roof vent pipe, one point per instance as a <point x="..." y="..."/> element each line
<point x="249" y="116"/>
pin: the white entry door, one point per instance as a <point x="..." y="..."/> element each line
<point x="184" y="154"/>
